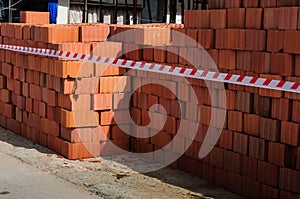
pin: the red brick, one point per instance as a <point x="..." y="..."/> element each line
<point x="289" y="180"/>
<point x="7" y="70"/>
<point x="295" y="113"/>
<point x="254" y="18"/>
<point x="250" y="188"/>
<point x="281" y="109"/>
<point x="268" y="3"/>
<point x="221" y="40"/>
<point x="131" y="51"/>
<point x="252" y="124"/>
<point x="262" y="106"/>
<point x="216" y="4"/>
<point x="291" y="42"/>
<point x="234" y="182"/>
<point x="216" y="157"/>
<point x="256" y="40"/>
<point x="172" y="55"/>
<point x="220" y="177"/>
<point x="49" y="97"/>
<point x="298" y="159"/>
<point x="192" y="37"/>
<point x="285" y="194"/>
<point x="58" y="34"/>
<point x="250" y="3"/>
<point x="240" y="143"/>
<point x="287" y="3"/>
<point x="244" y="60"/>
<point x="290" y="133"/>
<point x="148" y="53"/>
<point x="297" y="66"/>
<point x="249" y="167"/>
<point x="107" y="49"/>
<point x="226" y="139"/>
<point x="218" y="19"/>
<point x="109" y="84"/>
<point x="79" y="150"/>
<point x="89" y="33"/>
<point x="268" y="92"/>
<point x="271" y="18"/>
<point x="269" y="129"/>
<point x="232" y="161"/>
<point x="257" y="148"/>
<point x="160" y="54"/>
<point x="227" y="59"/>
<point x="261" y="62"/>
<point x="281" y="64"/>
<point x="163" y="138"/>
<point x="288" y="18"/>
<point x="291" y="95"/>
<point x="269" y="192"/>
<point x="118" y="133"/>
<point x="233" y="4"/>
<point x="235" y="121"/>
<point x="208" y="172"/>
<point x="276" y="153"/>
<point x="205" y="114"/>
<point x="79" y="135"/>
<point x="5" y="95"/>
<point x="244" y="102"/>
<point x="206" y="38"/>
<point x="102" y="101"/>
<point x="236" y="39"/>
<point x="236" y="17"/>
<point x="78" y="119"/>
<point x="153" y="35"/>
<point x="268" y="173"/>
<point x="203" y="17"/>
<point x="275" y="41"/>
<point x="30" y="17"/>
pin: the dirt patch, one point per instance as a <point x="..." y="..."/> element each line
<point x="108" y="178"/>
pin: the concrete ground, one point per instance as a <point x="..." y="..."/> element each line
<point x="28" y="170"/>
<point x="20" y="180"/>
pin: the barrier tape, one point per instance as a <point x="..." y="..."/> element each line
<point x="279" y="85"/>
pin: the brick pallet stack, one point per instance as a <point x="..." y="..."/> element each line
<point x="52" y="101"/>
<point x="258" y="154"/>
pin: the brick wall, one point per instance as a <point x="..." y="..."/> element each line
<point x="258" y="153"/>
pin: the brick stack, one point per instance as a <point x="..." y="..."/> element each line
<point x="30" y="17"/>
<point x="52" y="101"/>
<point x="258" y="153"/>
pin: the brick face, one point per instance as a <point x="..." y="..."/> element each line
<point x="268" y="173"/>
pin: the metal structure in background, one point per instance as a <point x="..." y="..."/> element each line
<point x="173" y="10"/>
<point x="9" y="11"/>
<point x="101" y="12"/>
<point x="134" y="12"/>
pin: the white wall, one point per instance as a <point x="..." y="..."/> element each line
<point x="63" y="12"/>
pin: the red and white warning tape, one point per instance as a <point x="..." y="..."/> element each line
<point x="279" y="85"/>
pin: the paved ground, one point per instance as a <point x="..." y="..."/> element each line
<point x="20" y="180"/>
<point x="31" y="171"/>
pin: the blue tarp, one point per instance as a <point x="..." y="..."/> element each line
<point x="52" y="8"/>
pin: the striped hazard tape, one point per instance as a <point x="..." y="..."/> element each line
<point x="279" y="85"/>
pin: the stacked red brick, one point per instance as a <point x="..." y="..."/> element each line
<point x="52" y="101"/>
<point x="258" y="154"/>
<point x="260" y="146"/>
